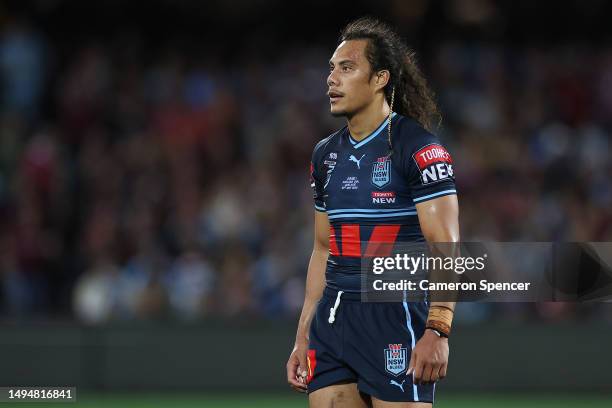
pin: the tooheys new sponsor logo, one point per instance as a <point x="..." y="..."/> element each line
<point x="434" y="163"/>
<point x="383" y="197"/>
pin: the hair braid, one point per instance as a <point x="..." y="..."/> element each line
<point x="389" y="121"/>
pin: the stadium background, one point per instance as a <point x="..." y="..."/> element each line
<point x="155" y="212"/>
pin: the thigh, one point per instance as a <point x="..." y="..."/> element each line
<point x="376" y="403"/>
<point x="339" y="396"/>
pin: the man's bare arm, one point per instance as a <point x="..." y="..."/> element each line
<point x="297" y="366"/>
<point x="439" y="220"/>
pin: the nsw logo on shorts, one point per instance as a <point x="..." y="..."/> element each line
<point x="395" y="359"/>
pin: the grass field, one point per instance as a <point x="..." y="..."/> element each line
<point x="295" y="401"/>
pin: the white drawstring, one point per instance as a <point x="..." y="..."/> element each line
<point x="332" y="310"/>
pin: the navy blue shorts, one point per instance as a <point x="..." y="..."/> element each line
<point x="368" y="343"/>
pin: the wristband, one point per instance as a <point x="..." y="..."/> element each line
<point x="440" y="319"/>
<point x="438" y="332"/>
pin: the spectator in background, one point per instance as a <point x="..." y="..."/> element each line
<point x="22" y="69"/>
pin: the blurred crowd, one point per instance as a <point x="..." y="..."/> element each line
<point x="167" y="185"/>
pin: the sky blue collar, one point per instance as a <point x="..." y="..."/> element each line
<point x="371" y="136"/>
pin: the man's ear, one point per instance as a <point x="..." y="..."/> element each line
<point x="382" y="78"/>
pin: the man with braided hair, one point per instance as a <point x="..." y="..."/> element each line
<point x="384" y="177"/>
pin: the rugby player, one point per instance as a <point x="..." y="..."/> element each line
<point x="384" y="177"/>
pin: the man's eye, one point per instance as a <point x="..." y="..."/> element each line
<point x="346" y="69"/>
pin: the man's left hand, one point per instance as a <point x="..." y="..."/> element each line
<point x="429" y="359"/>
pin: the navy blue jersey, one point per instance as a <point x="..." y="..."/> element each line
<point x="370" y="196"/>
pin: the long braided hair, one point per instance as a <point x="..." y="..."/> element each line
<point x="407" y="92"/>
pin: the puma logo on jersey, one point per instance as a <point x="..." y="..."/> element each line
<point x="354" y="159"/>
<point x="401" y="386"/>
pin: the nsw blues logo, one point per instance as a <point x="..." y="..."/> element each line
<point x="381" y="172"/>
<point x="395" y="359"/>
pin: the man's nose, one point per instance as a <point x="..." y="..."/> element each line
<point x="331" y="79"/>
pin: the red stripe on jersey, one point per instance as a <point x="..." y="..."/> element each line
<point x="382" y="239"/>
<point x="333" y="244"/>
<point x="351" y="244"/>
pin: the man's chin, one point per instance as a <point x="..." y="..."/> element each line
<point x="337" y="113"/>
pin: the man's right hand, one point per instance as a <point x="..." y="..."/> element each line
<point x="297" y="366"/>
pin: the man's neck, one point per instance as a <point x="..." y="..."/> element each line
<point x="363" y="123"/>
